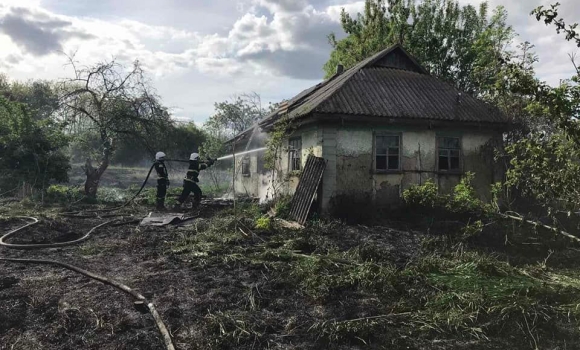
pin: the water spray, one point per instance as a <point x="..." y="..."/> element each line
<point x="221" y="158"/>
<point x="242" y="153"/>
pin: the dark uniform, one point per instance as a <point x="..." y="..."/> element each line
<point x="191" y="180"/>
<point x="162" y="183"/>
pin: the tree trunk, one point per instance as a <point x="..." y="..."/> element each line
<point x="94" y="176"/>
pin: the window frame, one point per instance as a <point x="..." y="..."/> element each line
<point x="294" y="151"/>
<point x="374" y="145"/>
<point x="246" y="163"/>
<point x="459" y="169"/>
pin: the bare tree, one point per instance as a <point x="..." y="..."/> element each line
<point x="113" y="102"/>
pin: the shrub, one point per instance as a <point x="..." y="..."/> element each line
<point x="263" y="223"/>
<point x="282" y="206"/>
<point x="425" y="195"/>
<point x="464" y="198"/>
<point x="62" y="194"/>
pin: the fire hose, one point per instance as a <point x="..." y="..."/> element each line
<point x="105" y="210"/>
<point x="140" y="303"/>
<point x="77" y="213"/>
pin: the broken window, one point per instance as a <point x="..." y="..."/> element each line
<point x="449" y="153"/>
<point x="294" y="153"/>
<point x="387" y="152"/>
<point x="246" y="166"/>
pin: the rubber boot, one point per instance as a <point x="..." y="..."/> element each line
<point x="160" y="205"/>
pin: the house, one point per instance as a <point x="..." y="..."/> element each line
<point x="382" y="126"/>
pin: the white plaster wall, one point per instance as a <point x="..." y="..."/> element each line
<point x="351" y="143"/>
<point x="354" y="156"/>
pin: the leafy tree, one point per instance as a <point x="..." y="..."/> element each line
<point x="545" y="164"/>
<point x="31" y="150"/>
<point x="183" y="139"/>
<point x="457" y="44"/>
<point x="113" y="103"/>
<point x="233" y="117"/>
<point x="40" y="96"/>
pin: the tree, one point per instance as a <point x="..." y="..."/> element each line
<point x="230" y="118"/>
<point x="233" y="117"/>
<point x="457" y="44"/>
<point x="113" y="103"/>
<point x="31" y="150"/>
<point x="545" y="164"/>
<point x="38" y="95"/>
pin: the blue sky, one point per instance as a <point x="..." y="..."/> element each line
<point x="198" y="52"/>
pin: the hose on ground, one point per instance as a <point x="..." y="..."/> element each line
<point x="3" y="239"/>
<point x="160" y="325"/>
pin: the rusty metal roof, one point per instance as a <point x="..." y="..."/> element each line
<point x="393" y="85"/>
<point x="306" y="189"/>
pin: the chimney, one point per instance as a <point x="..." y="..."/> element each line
<point x="459" y="98"/>
<point x="339" y="69"/>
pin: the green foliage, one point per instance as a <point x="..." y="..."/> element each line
<point x="233" y="117"/>
<point x="546" y="170"/>
<point x="177" y="140"/>
<point x="544" y="163"/>
<point x="282" y="206"/>
<point x="320" y="278"/>
<point x="115" y="104"/>
<point x="426" y="195"/>
<point x="30" y="150"/>
<point x="477" y="294"/>
<point x="63" y="194"/>
<point x="462" y="200"/>
<point x="458" y="44"/>
<point x="263" y="223"/>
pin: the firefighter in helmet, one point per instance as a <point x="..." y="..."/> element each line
<point x="192" y="178"/>
<point x="162" y="179"/>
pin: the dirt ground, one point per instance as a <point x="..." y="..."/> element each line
<point x="213" y="291"/>
<point x="45" y="307"/>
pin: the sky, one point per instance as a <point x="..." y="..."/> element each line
<point x="198" y="52"/>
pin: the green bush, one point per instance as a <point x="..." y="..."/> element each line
<point x="263" y="223"/>
<point x="32" y="151"/>
<point x="426" y="195"/>
<point x="63" y="194"/>
<point x="462" y="200"/>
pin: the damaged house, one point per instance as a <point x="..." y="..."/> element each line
<point x="381" y="126"/>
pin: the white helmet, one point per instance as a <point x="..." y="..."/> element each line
<point x="194" y="156"/>
<point x="159" y="155"/>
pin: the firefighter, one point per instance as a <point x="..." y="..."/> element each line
<point x="192" y="178"/>
<point x="162" y="180"/>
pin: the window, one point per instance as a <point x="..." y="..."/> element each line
<point x="246" y="166"/>
<point x="449" y="153"/>
<point x="387" y="152"/>
<point x="294" y="152"/>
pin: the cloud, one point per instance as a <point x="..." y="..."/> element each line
<point x="38" y="33"/>
<point x="201" y="53"/>
<point x="289" y="41"/>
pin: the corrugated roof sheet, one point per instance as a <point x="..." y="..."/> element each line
<point x="371" y="89"/>
<point x="306" y="189"/>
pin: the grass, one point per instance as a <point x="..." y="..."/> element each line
<point x="453" y="290"/>
<point x="479" y="285"/>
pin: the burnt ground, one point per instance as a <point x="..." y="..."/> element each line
<point x="45" y="307"/>
<point x="216" y="288"/>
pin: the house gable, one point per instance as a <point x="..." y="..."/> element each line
<point x="397" y="58"/>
